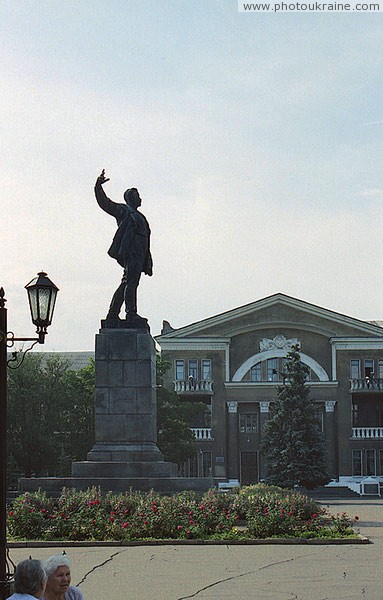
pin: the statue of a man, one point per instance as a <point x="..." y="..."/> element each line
<point x="131" y="249"/>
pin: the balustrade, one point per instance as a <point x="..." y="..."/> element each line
<point x="366" y="384"/>
<point x="372" y="433"/>
<point x="202" y="433"/>
<point x="196" y="386"/>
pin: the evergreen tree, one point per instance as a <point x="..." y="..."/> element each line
<point x="293" y="443"/>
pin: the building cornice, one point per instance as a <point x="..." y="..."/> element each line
<point x="208" y="343"/>
<point x="357" y="343"/>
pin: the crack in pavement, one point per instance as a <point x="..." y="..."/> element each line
<point x="111" y="557"/>
<point x="211" y="585"/>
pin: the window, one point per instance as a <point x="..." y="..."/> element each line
<point x="193" y="368"/>
<point x="380" y="369"/>
<point x="206" y="369"/>
<point x="199" y="465"/>
<point x="256" y="372"/>
<point x="319" y="417"/>
<point x="248" y="423"/>
<point x="180" y="370"/>
<point x="355" y="369"/>
<point x="355" y="414"/>
<point x="370" y="461"/>
<point x="357" y="463"/>
<point x="272" y="369"/>
<point x="380" y="462"/>
<point x="369" y="367"/>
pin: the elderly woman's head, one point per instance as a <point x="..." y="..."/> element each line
<point x="30" y="578"/>
<point x="57" y="568"/>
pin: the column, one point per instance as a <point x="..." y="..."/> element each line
<point x="232" y="441"/>
<point x="264" y="417"/>
<point x="331" y="438"/>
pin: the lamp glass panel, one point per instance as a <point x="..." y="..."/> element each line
<point x="32" y="293"/>
<point x="52" y="305"/>
<point x="44" y="302"/>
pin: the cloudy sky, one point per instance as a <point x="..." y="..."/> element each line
<point x="254" y="139"/>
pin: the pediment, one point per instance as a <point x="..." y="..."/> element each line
<point x="276" y="311"/>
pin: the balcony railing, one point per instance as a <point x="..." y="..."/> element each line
<point x="367" y="433"/>
<point x="202" y="434"/>
<point x="193" y="386"/>
<point x="366" y="384"/>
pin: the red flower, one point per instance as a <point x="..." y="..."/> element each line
<point x="125" y="525"/>
<point x="179" y="527"/>
<point x="10" y="514"/>
<point x="356" y="518"/>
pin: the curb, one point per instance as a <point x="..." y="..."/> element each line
<point x="256" y="542"/>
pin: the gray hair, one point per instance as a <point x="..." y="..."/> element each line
<point x="54" y="562"/>
<point x="29" y="577"/>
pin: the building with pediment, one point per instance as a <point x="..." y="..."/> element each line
<point x="232" y="363"/>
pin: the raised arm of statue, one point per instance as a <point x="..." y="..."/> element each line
<point x="112" y="208"/>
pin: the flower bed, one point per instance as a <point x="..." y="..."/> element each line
<point x="258" y="511"/>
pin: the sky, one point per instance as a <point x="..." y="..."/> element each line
<point x="255" y="141"/>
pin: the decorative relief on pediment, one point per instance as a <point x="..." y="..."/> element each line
<point x="279" y="341"/>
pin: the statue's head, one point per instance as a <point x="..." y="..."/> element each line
<point x="132" y="197"/>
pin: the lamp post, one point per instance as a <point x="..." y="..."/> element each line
<point x="42" y="294"/>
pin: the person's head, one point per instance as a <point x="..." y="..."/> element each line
<point x="132" y="197"/>
<point x="30" y="578"/>
<point x="57" y="568"/>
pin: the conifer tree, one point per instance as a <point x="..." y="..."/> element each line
<point x="293" y="443"/>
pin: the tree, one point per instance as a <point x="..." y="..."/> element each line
<point x="175" y="438"/>
<point x="293" y="443"/>
<point x="75" y="429"/>
<point x="50" y="415"/>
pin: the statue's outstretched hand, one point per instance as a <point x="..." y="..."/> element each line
<point x="101" y="178"/>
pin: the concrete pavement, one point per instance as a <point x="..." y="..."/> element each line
<point x="263" y="572"/>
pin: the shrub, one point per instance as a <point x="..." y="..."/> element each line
<point x="88" y="515"/>
<point x="30" y="515"/>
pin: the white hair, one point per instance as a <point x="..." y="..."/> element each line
<point x="54" y="562"/>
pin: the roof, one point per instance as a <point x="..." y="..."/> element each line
<point x="366" y="327"/>
<point x="76" y="360"/>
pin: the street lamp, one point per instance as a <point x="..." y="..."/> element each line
<point x="42" y="294"/>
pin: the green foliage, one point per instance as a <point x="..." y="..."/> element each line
<point x="89" y="515"/>
<point x="50" y="416"/>
<point x="274" y="511"/>
<point x="175" y="438"/>
<point x="293" y="444"/>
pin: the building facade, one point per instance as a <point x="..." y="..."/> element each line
<point x="232" y="363"/>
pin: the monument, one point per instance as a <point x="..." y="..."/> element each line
<point x="125" y="454"/>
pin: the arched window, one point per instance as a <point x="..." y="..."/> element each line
<point x="272" y="369"/>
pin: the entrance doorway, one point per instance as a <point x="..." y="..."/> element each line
<point x="249" y="468"/>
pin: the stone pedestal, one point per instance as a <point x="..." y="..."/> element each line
<point x="126" y="410"/>
<point x="125" y="454"/>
